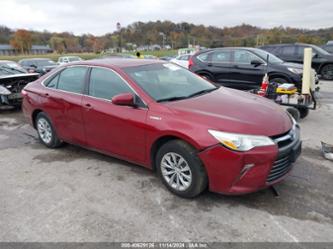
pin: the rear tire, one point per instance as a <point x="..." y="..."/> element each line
<point x="46" y="131"/>
<point x="304" y="111"/>
<point x="326" y="72"/>
<point x="180" y="169"/>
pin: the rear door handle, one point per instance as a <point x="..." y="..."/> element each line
<point x="88" y="106"/>
<point x="47" y="95"/>
<point x="210" y="64"/>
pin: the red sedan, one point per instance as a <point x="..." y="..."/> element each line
<point x="163" y="117"/>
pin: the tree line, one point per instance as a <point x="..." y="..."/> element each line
<point x="175" y="35"/>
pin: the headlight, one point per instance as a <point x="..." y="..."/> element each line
<point x="295" y="70"/>
<point x="4" y="91"/>
<point x="240" y="142"/>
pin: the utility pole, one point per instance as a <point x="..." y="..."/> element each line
<point x="119" y="40"/>
<point x="163" y="39"/>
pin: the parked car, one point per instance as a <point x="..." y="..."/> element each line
<point x="167" y="58"/>
<point x="182" y="60"/>
<point x="322" y="61"/>
<point x="164" y="117"/>
<point x="38" y="65"/>
<point x="243" y="68"/>
<point x="328" y="48"/>
<point x="67" y="59"/>
<point x="12" y="80"/>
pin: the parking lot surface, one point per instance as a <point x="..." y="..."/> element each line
<point x="72" y="194"/>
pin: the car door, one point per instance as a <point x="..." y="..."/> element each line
<point x="246" y="75"/>
<point x="114" y="129"/>
<point x="219" y="65"/>
<point x="288" y="53"/>
<point x="317" y="58"/>
<point x="62" y="101"/>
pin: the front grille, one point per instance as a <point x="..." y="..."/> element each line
<point x="289" y="148"/>
<point x="284" y="139"/>
<point x="280" y="167"/>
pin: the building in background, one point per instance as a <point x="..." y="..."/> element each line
<point x="6" y="49"/>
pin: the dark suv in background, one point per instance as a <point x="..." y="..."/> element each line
<point x="243" y="68"/>
<point x="322" y="61"/>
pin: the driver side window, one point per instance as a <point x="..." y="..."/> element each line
<point x="105" y="84"/>
<point x="245" y="57"/>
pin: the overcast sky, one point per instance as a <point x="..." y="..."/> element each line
<point x="100" y="16"/>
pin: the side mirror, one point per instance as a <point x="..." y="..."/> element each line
<point x="33" y="66"/>
<point x="127" y="99"/>
<point x="314" y="55"/>
<point x="256" y="63"/>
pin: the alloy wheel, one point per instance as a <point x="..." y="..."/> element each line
<point x="44" y="130"/>
<point x="176" y="171"/>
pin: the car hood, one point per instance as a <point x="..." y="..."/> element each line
<point x="293" y="65"/>
<point x="21" y="76"/>
<point x="234" y="111"/>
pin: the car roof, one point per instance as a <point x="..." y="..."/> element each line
<point x="36" y="59"/>
<point x="7" y="61"/>
<point x="226" y="48"/>
<point x="119" y="62"/>
<point x="287" y="44"/>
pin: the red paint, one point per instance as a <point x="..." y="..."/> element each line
<point x="130" y="132"/>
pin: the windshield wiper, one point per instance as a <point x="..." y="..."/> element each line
<point x="188" y="96"/>
<point x="202" y="92"/>
<point x="172" y="99"/>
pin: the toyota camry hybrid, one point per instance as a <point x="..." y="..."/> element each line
<point x="166" y="118"/>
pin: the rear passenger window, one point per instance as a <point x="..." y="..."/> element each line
<point x="105" y="84"/>
<point x="52" y="83"/>
<point x="288" y="50"/>
<point x="244" y="57"/>
<point x="72" y="79"/>
<point x="203" y="57"/>
<point x="221" y="56"/>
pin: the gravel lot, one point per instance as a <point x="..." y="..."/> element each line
<point x="71" y="194"/>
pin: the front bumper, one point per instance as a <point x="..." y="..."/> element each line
<point x="232" y="172"/>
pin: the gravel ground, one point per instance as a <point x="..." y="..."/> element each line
<point x="72" y="194"/>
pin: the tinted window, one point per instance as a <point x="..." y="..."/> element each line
<point x="244" y="57"/>
<point x="288" y="50"/>
<point x="221" y="56"/>
<point x="105" y="84"/>
<point x="203" y="57"/>
<point x="72" y="79"/>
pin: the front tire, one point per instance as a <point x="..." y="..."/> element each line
<point x="180" y="169"/>
<point x="46" y="132"/>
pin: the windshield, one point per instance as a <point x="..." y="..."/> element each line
<point x="168" y="82"/>
<point x="11" y="68"/>
<point x="71" y="59"/>
<point x="319" y="50"/>
<point x="272" y="58"/>
<point x="45" y="63"/>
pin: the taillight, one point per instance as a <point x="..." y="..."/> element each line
<point x="190" y="62"/>
<point x="24" y="92"/>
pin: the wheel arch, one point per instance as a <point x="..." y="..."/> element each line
<point x="205" y="72"/>
<point x="273" y="75"/>
<point x="164" y="139"/>
<point x="34" y="116"/>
